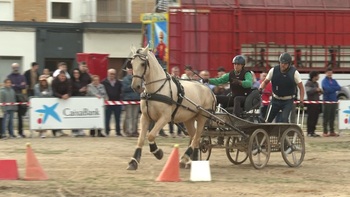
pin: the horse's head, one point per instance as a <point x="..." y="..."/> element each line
<point x="140" y="66"/>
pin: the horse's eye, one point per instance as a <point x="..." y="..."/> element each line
<point x="143" y="64"/>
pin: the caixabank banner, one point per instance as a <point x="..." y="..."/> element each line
<point x="73" y="113"/>
<point x="344" y="114"/>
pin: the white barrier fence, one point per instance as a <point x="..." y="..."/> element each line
<point x="74" y="113"/>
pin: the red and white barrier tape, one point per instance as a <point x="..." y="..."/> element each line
<point x="138" y="102"/>
<point x="308" y="102"/>
<point x="106" y="103"/>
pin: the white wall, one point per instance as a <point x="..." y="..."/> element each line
<point x="20" y="44"/>
<point x="117" y="45"/>
<point x="81" y="11"/>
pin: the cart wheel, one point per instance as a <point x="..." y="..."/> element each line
<point x="233" y="153"/>
<point x="293" y="147"/>
<point x="205" y="148"/>
<point x="259" y="148"/>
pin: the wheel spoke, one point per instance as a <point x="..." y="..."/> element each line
<point x="259" y="159"/>
<point x="294" y="158"/>
<point x="265" y="153"/>
<point x="263" y="140"/>
<point x="256" y="139"/>
<point x="237" y="154"/>
<point x="295" y="137"/>
<point x="288" y="141"/>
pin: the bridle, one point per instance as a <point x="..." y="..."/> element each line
<point x="145" y="64"/>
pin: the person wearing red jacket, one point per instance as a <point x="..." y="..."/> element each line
<point x="265" y="97"/>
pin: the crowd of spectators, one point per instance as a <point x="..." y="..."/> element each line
<point x="64" y="85"/>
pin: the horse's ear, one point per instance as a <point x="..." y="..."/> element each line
<point x="133" y="49"/>
<point x="146" y="49"/>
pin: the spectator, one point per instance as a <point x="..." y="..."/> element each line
<point x="221" y="71"/>
<point x="222" y="89"/>
<point x="98" y="90"/>
<point x="62" y="89"/>
<point x="195" y="76"/>
<point x="47" y="74"/>
<point x="32" y="76"/>
<point x="42" y="89"/>
<point x="18" y="82"/>
<point x="256" y="83"/>
<point x="313" y="92"/>
<point x="62" y="66"/>
<point x="188" y="73"/>
<point x="330" y="87"/>
<point x="8" y="95"/>
<point x="114" y="89"/>
<point x="205" y="75"/>
<point x="265" y="97"/>
<point x="131" y="111"/>
<point x="175" y="72"/>
<point x="85" y="77"/>
<point x="78" y="89"/>
<point x="284" y="78"/>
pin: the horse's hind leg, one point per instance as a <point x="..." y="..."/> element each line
<point x="193" y="149"/>
<point x="135" y="160"/>
<point x="157" y="152"/>
<point x="195" y="142"/>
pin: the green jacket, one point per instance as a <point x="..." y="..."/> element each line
<point x="247" y="83"/>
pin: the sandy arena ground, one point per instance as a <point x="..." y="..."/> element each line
<point x="97" y="167"/>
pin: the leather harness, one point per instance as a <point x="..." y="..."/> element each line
<point x="160" y="97"/>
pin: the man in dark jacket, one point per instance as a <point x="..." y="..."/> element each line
<point x="240" y="80"/>
<point x="61" y="88"/>
<point x="284" y="78"/>
<point x="19" y="84"/>
<point x="330" y="87"/>
<point x="85" y="77"/>
<point x="313" y="92"/>
<point x="32" y="77"/>
<point x="114" y="90"/>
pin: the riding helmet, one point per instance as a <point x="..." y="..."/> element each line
<point x="285" y="58"/>
<point x="239" y="59"/>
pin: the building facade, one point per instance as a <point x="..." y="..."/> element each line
<point x="51" y="31"/>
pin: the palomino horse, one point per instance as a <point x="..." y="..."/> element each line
<point x="163" y="100"/>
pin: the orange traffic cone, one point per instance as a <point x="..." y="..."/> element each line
<point x="171" y="170"/>
<point x="8" y="169"/>
<point x="34" y="171"/>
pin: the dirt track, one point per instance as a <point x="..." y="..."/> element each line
<point x="96" y="167"/>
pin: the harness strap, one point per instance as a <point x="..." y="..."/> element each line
<point x="180" y="94"/>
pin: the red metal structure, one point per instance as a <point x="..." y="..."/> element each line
<point x="209" y="33"/>
<point x="97" y="63"/>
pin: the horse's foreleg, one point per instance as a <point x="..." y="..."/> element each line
<point x="135" y="160"/>
<point x="157" y="152"/>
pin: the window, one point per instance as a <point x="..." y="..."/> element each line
<point x="111" y="11"/>
<point x="6" y="13"/>
<point x="61" y="10"/>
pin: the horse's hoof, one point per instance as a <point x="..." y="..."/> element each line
<point x="132" y="165"/>
<point x="159" y="154"/>
<point x="182" y="165"/>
